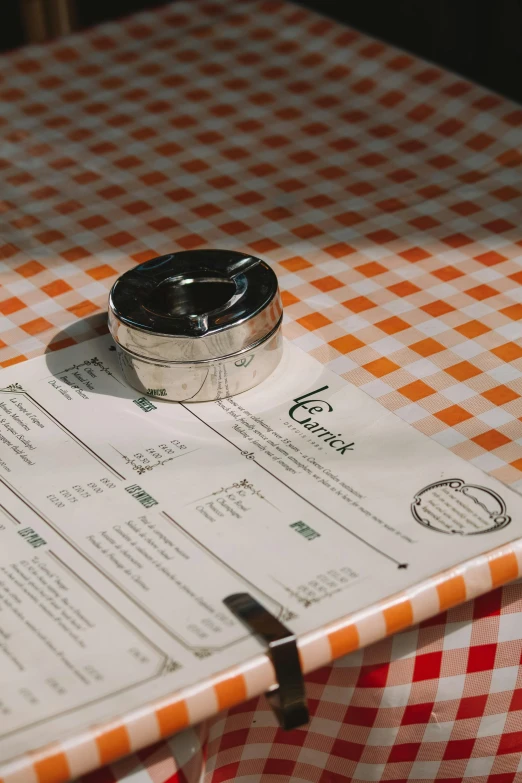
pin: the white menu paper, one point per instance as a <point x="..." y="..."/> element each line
<point x="125" y="521"/>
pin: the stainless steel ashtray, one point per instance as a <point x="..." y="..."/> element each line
<point x="197" y="325"/>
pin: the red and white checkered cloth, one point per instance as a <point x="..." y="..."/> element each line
<point x="440" y="702"/>
<point x="387" y="194"/>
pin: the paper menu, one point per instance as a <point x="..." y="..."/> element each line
<point x="125" y="520"/>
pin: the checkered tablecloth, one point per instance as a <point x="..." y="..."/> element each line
<point x="387" y="194"/>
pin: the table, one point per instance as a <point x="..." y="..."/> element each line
<point x="386" y="193"/>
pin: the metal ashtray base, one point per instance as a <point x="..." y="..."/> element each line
<point x="203" y="381"/>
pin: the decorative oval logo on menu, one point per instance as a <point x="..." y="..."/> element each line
<point x="454" y="507"/>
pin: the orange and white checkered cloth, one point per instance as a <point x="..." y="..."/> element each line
<point x="387" y="195"/>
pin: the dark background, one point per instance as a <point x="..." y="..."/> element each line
<point x="480" y="39"/>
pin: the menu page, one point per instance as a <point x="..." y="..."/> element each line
<point x="125" y="520"/>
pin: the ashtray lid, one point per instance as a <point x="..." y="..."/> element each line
<point x="194" y="305"/>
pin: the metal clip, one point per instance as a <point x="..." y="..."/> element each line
<point x="288" y="700"/>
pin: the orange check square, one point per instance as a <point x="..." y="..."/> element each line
<point x="313" y="321"/>
<point x="490" y="440"/>
<point x="11" y="305"/>
<point x="453" y="415"/>
<point x="295" y="264"/>
<point x="327" y="284"/>
<point x="371" y="269"/>
<point x="500" y="395"/>
<point x="463" y="370"/>
<point x="346" y="344"/>
<point x="393" y="325"/>
<point x="472" y="329"/>
<point x="427" y="347"/>
<point x="36" y="326"/>
<point x="508" y="352"/>
<point x="481" y="292"/>
<point x="437" y="308"/>
<point x="416" y="390"/>
<point x="381" y="367"/>
<point x="359" y="304"/>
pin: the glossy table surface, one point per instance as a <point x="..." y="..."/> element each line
<point x="387" y="195"/>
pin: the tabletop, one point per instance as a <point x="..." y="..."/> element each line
<point x="386" y="194"/>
